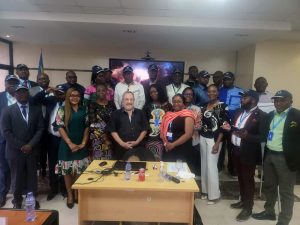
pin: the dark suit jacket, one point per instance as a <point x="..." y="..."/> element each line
<point x="251" y="146"/>
<point x="291" y="138"/>
<point x="33" y="84"/>
<point x="3" y="105"/>
<point x="18" y="133"/>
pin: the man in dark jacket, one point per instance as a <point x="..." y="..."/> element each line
<point x="282" y="157"/>
<point x="22" y="127"/>
<point x="246" y="142"/>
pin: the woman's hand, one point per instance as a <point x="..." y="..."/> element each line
<point x="126" y="145"/>
<point x="215" y="148"/>
<point x="169" y="146"/>
<point x="73" y="147"/>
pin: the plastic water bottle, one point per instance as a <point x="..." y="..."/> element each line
<point x="30" y="207"/>
<point x="162" y="171"/>
<point x="128" y="171"/>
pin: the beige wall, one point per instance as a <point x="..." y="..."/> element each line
<point x="68" y="57"/>
<point x="279" y="62"/>
<point x="245" y="67"/>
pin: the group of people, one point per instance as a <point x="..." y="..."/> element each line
<point x="157" y="119"/>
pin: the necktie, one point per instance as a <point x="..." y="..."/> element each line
<point x="25" y="83"/>
<point x="24" y="112"/>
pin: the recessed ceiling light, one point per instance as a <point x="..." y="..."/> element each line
<point x="129" y="31"/>
<point x="7" y="36"/>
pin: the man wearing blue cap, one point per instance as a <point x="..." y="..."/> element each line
<point x="6" y="99"/>
<point x="282" y="157"/>
<point x="129" y="85"/>
<point x="246" y="139"/>
<point x="22" y="126"/>
<point x="200" y="89"/>
<point x="176" y="87"/>
<point x="23" y="72"/>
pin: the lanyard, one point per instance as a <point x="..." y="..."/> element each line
<point x="274" y="125"/>
<point x="170" y="126"/>
<point x="243" y="117"/>
<point x="177" y="89"/>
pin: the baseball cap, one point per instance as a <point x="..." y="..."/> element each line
<point x="107" y="70"/>
<point x="127" y="69"/>
<point x="153" y="67"/>
<point x="282" y="94"/>
<point x="229" y="75"/>
<point x="11" y="77"/>
<point x="250" y="93"/>
<point x="20" y="86"/>
<point x="204" y="73"/>
<point x="21" y="66"/>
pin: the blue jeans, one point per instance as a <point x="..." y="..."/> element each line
<point x="4" y="172"/>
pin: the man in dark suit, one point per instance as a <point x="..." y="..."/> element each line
<point x="282" y="158"/>
<point x="23" y="72"/>
<point x="6" y="99"/>
<point x="22" y="128"/>
<point x="246" y="140"/>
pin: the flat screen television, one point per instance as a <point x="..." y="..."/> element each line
<point x="140" y="67"/>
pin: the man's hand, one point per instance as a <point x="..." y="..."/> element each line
<point x="243" y="134"/>
<point x="26" y="148"/>
<point x="126" y="145"/>
<point x="132" y="143"/>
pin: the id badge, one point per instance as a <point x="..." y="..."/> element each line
<point x="270" y="136"/>
<point x="169" y="136"/>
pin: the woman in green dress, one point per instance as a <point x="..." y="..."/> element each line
<point x="72" y="124"/>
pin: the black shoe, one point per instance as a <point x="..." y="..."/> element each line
<point x="2" y="202"/>
<point x="37" y="205"/>
<point x="51" y="195"/>
<point x="244" y="215"/>
<point x="17" y="205"/>
<point x="264" y="216"/>
<point x="237" y="205"/>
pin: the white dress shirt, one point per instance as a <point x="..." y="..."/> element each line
<point x="173" y="90"/>
<point x="136" y="88"/>
<point x="10" y="99"/>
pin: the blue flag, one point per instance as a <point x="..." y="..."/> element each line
<point x="41" y="64"/>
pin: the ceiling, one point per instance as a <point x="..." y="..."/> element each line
<point x="165" y="24"/>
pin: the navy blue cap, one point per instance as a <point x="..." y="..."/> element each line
<point x="21" y="66"/>
<point x="177" y="70"/>
<point x="153" y="67"/>
<point x="229" y="75"/>
<point x="127" y="69"/>
<point x="20" y="86"/>
<point x="11" y="77"/>
<point x="282" y="94"/>
<point x="204" y="73"/>
<point x="97" y="69"/>
<point x="250" y="93"/>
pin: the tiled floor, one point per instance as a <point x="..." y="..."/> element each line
<point x="218" y="214"/>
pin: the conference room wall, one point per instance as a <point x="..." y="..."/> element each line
<point x="279" y="62"/>
<point x="76" y="57"/>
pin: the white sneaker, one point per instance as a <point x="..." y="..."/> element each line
<point x="203" y="197"/>
<point x="209" y="202"/>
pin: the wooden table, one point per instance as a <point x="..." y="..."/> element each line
<point x="112" y="198"/>
<point x="17" y="217"/>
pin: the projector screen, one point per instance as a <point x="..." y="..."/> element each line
<point x="140" y="67"/>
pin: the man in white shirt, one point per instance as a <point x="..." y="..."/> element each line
<point x="265" y="102"/>
<point x="129" y="85"/>
<point x="176" y="87"/>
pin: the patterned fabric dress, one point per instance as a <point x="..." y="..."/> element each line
<point x="100" y="142"/>
<point x="154" y="114"/>
<point x="72" y="162"/>
<point x="90" y="94"/>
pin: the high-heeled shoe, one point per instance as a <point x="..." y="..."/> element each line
<point x="70" y="205"/>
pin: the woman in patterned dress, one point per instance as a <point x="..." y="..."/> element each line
<point x="99" y="114"/>
<point x="72" y="124"/>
